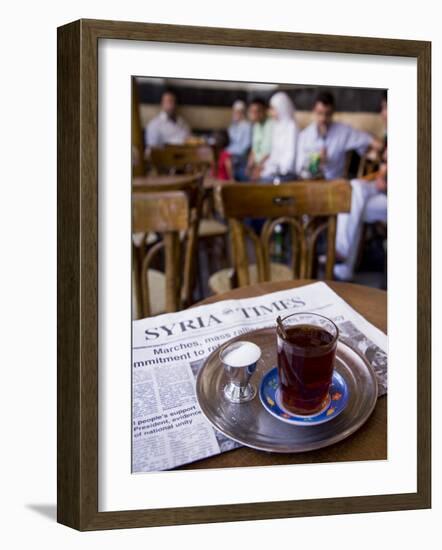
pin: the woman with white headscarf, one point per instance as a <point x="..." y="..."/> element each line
<point x="280" y="164"/>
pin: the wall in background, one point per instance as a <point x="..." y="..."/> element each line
<point x="202" y="118"/>
<point x="206" y="105"/>
<point x="223" y="94"/>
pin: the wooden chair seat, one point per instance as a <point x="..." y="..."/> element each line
<point x="209" y="228"/>
<point x="220" y="281"/>
<point x="157" y="294"/>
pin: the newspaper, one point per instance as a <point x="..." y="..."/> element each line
<point x="169" y="428"/>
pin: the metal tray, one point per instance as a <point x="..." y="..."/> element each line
<point x="251" y="425"/>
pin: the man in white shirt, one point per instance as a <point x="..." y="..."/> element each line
<point x="324" y="144"/>
<point x="167" y="126"/>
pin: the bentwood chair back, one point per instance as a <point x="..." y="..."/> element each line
<point x="308" y="208"/>
<point x="182" y="159"/>
<point x="192" y="186"/>
<point x="167" y="214"/>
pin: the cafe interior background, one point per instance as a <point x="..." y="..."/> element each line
<point x="194" y="235"/>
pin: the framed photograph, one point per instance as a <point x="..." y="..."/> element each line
<point x="243" y="216"/>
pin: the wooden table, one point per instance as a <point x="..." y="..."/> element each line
<point x="369" y="442"/>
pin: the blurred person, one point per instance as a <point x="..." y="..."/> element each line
<point x="376" y="207"/>
<point x="261" y="137"/>
<point x="167" y="127"/>
<point x="280" y="164"/>
<point x="324" y="144"/>
<point x="384" y="115"/>
<point x="240" y="139"/>
<point x="368" y="205"/>
<point x="224" y="166"/>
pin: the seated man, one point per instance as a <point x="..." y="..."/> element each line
<point x="261" y="138"/>
<point x="240" y="139"/>
<point x="323" y="145"/>
<point x="368" y="205"/>
<point x="167" y="126"/>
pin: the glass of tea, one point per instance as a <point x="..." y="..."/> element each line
<point x="306" y="352"/>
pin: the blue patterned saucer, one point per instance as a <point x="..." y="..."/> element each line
<point x="269" y="394"/>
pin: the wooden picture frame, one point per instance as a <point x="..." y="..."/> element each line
<point x="77" y="461"/>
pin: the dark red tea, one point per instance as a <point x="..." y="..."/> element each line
<point x="305" y="365"/>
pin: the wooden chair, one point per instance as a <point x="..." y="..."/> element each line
<point x="308" y="208"/>
<point x="191" y="185"/>
<point x="182" y="159"/>
<point x="190" y="159"/>
<point x="168" y="214"/>
<point x="367" y="168"/>
<point x="194" y="161"/>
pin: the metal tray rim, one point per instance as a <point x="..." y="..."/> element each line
<point x="314" y="446"/>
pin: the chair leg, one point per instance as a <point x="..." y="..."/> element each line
<point x="331" y="247"/>
<point x="137" y="260"/>
<point x="361" y="246"/>
<point x="220" y="253"/>
<point x="203" y="268"/>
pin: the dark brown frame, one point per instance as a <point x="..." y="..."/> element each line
<point x="77" y="461"/>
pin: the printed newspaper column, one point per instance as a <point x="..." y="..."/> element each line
<point x="168" y="426"/>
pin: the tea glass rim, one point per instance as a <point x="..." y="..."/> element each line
<point x="330" y="345"/>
